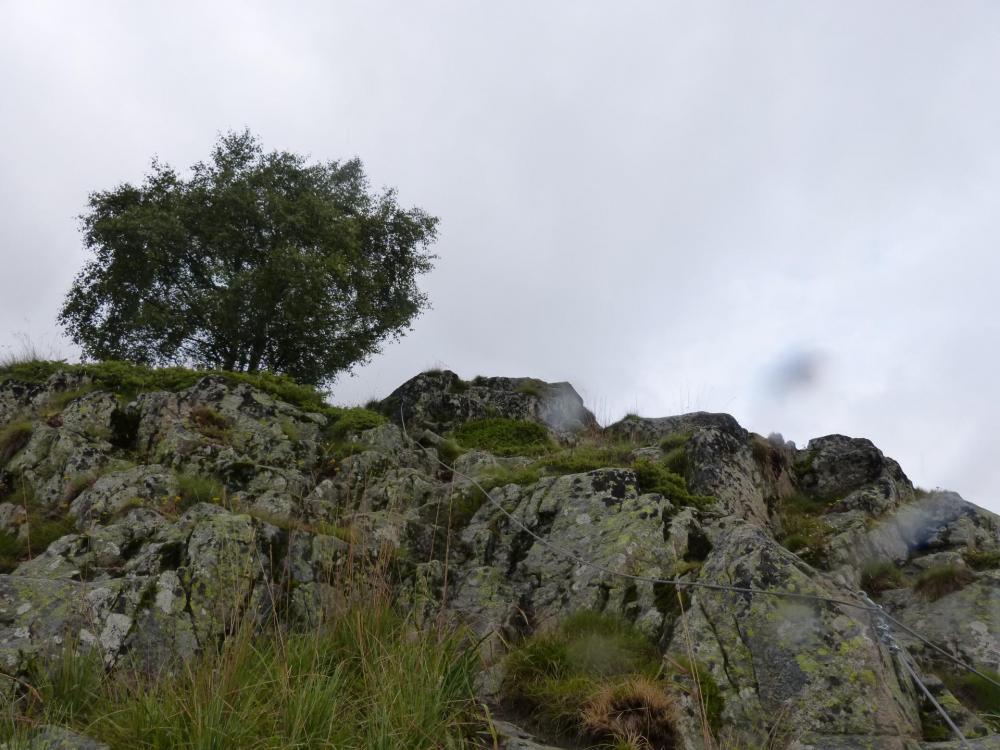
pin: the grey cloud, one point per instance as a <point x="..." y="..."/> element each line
<point x="655" y="201"/>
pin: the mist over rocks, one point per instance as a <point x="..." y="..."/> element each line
<point x="144" y="524"/>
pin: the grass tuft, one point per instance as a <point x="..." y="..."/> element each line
<point x="877" y="577"/>
<point x="563" y="677"/>
<point x="982" y="560"/>
<point x="942" y="580"/>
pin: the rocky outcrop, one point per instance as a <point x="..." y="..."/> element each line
<point x="178" y="514"/>
<point x="440" y="400"/>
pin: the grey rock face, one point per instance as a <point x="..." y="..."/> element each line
<point x="440" y="400"/>
<point x="152" y="573"/>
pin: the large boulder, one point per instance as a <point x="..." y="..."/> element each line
<point x="439" y="400"/>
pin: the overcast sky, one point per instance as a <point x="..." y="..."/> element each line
<point x="785" y="211"/>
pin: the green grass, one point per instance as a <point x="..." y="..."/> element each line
<point x="13" y="438"/>
<point x="352" y="421"/>
<point x="588" y="457"/>
<point x="982" y="560"/>
<point x="130" y="379"/>
<point x="504" y="437"/>
<point x="553" y="676"/>
<point x="367" y="680"/>
<point x="877" y="577"/>
<point x="197" y="488"/>
<point x="942" y="580"/>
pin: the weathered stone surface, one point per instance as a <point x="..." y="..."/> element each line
<point x="440" y="400"/>
<point x="818" y="665"/>
<point x="144" y="578"/>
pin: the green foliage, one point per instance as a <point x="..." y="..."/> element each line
<point x="505" y="437"/>
<point x="588" y="457"/>
<point x="353" y="421"/>
<point x="942" y="580"/>
<point x="982" y="560"/>
<point x="657" y="477"/>
<point x="127" y="380"/>
<point x="13" y="438"/>
<point x="197" y="488"/>
<point x="257" y="261"/>
<point x="877" y="577"/>
<point x="366" y="680"/>
<point x="553" y="674"/>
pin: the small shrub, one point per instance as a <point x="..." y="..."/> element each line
<point x="196" y="488"/>
<point x="210" y="423"/>
<point x="504" y="436"/>
<point x="877" y="577"/>
<point x="942" y="580"/>
<point x="982" y="560"/>
<point x="13" y="438"/>
<point x="353" y="421"/>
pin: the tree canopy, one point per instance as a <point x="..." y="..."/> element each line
<point x="257" y="261"/>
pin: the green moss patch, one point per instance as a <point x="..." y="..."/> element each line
<point x="504" y="437"/>
<point x="352" y="421"/>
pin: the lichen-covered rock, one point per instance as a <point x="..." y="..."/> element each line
<point x="816" y="665"/>
<point x="298" y="523"/>
<point x="440" y="400"/>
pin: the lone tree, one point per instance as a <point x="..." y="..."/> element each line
<point x="258" y="261"/>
